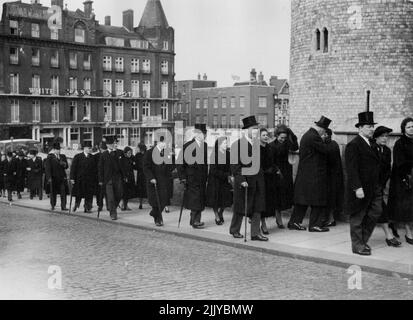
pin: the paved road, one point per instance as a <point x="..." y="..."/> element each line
<point x="103" y="261"/>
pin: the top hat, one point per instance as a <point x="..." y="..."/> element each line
<point x="366" y="118"/>
<point x="323" y="122"/>
<point x="33" y="152"/>
<point x="201" y="127"/>
<point x="56" y="145"/>
<point x="249" y="122"/>
<point x="103" y="145"/>
<point x="111" y="139"/>
<point x="381" y="130"/>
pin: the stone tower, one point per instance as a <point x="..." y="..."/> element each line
<point x="340" y="49"/>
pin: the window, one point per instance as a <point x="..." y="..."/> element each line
<point x="139" y="44"/>
<point x="198" y="119"/>
<point x="325" y="38"/>
<point x="35" y="57"/>
<point x="179" y="110"/>
<point x="87" y="85"/>
<point x="87" y="61"/>
<point x="135" y="88"/>
<point x="224" y="103"/>
<point x="198" y="103"/>
<point x="223" y="121"/>
<point x="115" y="42"/>
<point x="146" y="89"/>
<point x="35" y="84"/>
<point x="119" y="64"/>
<point x="205" y="103"/>
<point x="119" y="111"/>
<point x="119" y="87"/>
<point x="15" y="117"/>
<point x="164" y="111"/>
<point x="262" y="102"/>
<point x="14" y="56"/>
<point x="134" y="137"/>
<point x="14" y="83"/>
<point x="263" y="120"/>
<point x="54" y="34"/>
<point x="87" y="110"/>
<point x="73" y="85"/>
<point x="318" y="40"/>
<point x="146" y="66"/>
<point x="79" y="34"/>
<point x="14" y="27"/>
<point x="187" y="108"/>
<point x="35" y="30"/>
<point x="73" y="111"/>
<point x="232" y="121"/>
<point x="107" y="63"/>
<point x="73" y="60"/>
<point x="135" y="65"/>
<point x="215" y="103"/>
<point x="135" y="111"/>
<point x="107" y="87"/>
<point x="88" y="136"/>
<point x="74" y="134"/>
<point x="54" y="59"/>
<point x="146" y="109"/>
<point x="164" y="90"/>
<point x="215" y="121"/>
<point x="55" y="111"/>
<point x="107" y="111"/>
<point x="36" y="110"/>
<point x="232" y="102"/>
<point x="242" y="102"/>
<point x="205" y="120"/>
<point x="55" y="85"/>
<point x="164" y="67"/>
<point x="166" y="45"/>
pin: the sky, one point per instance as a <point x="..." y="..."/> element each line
<point x="218" y="37"/>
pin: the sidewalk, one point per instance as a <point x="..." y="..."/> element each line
<point x="333" y="248"/>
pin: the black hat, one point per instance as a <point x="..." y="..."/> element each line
<point x="94" y="149"/>
<point x="33" y="152"/>
<point x="201" y="127"/>
<point x="21" y="153"/>
<point x="323" y="122"/>
<point x="249" y="122"/>
<point x="381" y="130"/>
<point x="103" y="146"/>
<point x="56" y="145"/>
<point x="87" y="144"/>
<point x="9" y="154"/>
<point x="111" y="139"/>
<point x="127" y="149"/>
<point x="366" y="118"/>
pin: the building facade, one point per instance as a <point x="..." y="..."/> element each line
<point x="341" y="52"/>
<point x="63" y="74"/>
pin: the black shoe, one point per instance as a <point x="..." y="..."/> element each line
<point x="65" y="209"/>
<point x="319" y="229"/>
<point x="264" y="231"/>
<point x="197" y="225"/>
<point x="52" y="208"/>
<point x="280" y="226"/>
<point x="393" y="243"/>
<point x="19" y="196"/>
<point x="368" y="247"/>
<point x="409" y="241"/>
<point x="331" y="224"/>
<point x="114" y="218"/>
<point x="394" y="230"/>
<point x="363" y="252"/>
<point x="31" y="198"/>
<point x="100" y="209"/>
<point x="238" y="236"/>
<point x="167" y="210"/>
<point x="140" y="207"/>
<point x="74" y="209"/>
<point x="88" y="211"/>
<point x="296" y="226"/>
<point x="259" y="238"/>
<point x="218" y="222"/>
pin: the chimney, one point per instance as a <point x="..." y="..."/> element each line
<point x="272" y="81"/>
<point x="205" y="77"/>
<point x="253" y="75"/>
<point x="58" y="3"/>
<point x="261" y="77"/>
<point x="128" y="19"/>
<point x="107" y="21"/>
<point x="37" y="2"/>
<point x="199" y="76"/>
<point x="88" y="8"/>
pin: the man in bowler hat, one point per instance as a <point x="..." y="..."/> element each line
<point x="34" y="174"/>
<point x="248" y="178"/>
<point x="193" y="171"/>
<point x="312" y="180"/>
<point x="363" y="185"/>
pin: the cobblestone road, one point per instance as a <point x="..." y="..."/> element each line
<point x="104" y="261"/>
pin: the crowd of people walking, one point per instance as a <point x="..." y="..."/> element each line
<point x="372" y="188"/>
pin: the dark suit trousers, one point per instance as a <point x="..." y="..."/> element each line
<point x="53" y="196"/>
<point x="156" y="214"/>
<point x="316" y="216"/>
<point x="113" y="196"/>
<point x="195" y="217"/>
<point x="237" y="220"/>
<point x="362" y="223"/>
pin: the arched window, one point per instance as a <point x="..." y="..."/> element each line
<point x="318" y="39"/>
<point x="80" y="33"/>
<point x="325" y="36"/>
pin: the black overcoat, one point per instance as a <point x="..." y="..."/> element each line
<point x="129" y="189"/>
<point x="9" y="174"/>
<point x="255" y="180"/>
<point x="219" y="189"/>
<point x="335" y="176"/>
<point x="140" y="176"/>
<point x="196" y="174"/>
<point x="400" y="195"/>
<point x="363" y="171"/>
<point x="311" y="182"/>
<point x="56" y="170"/>
<point x="1" y="176"/>
<point x="35" y="175"/>
<point x="270" y="174"/>
<point x="83" y="173"/>
<point x="21" y="174"/>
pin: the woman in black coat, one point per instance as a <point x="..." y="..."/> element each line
<point x="129" y="189"/>
<point x="140" y="177"/>
<point x="401" y="183"/>
<point x="286" y="141"/>
<point x="219" y="188"/>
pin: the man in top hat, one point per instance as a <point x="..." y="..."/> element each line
<point x="20" y="173"/>
<point x="193" y="171"/>
<point x="55" y="174"/>
<point x="9" y="175"/>
<point x="248" y="178"/>
<point x="312" y="180"/>
<point x="97" y="190"/>
<point x="82" y="179"/>
<point x="363" y="185"/>
<point x="110" y="176"/>
<point x="34" y="174"/>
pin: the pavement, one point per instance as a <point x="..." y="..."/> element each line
<point x="332" y="248"/>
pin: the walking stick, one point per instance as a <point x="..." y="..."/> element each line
<point x="100" y="200"/>
<point x="71" y="197"/>
<point x="157" y="199"/>
<point x="182" y="206"/>
<point x="246" y="212"/>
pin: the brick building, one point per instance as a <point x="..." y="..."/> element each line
<point x="342" y="49"/>
<point x="63" y="74"/>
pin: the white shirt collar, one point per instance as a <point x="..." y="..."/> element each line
<point x="365" y="139"/>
